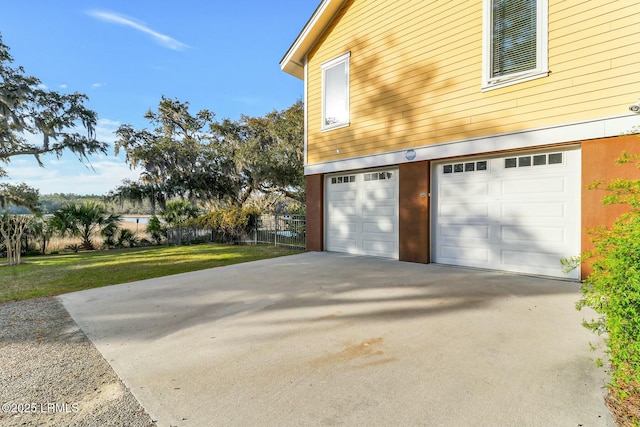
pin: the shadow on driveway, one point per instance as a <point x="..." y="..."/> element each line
<point x="327" y="339"/>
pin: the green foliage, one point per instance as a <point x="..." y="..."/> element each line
<point x="26" y="108"/>
<point x="109" y="233"/>
<point x="127" y="239"/>
<point x="195" y="158"/>
<point x="178" y="212"/>
<point x="156" y="230"/>
<point x="613" y="288"/>
<point x="42" y="229"/>
<point x="74" y="247"/>
<point x="84" y="220"/>
<point x="19" y="195"/>
<point x="230" y="223"/>
<point x="263" y="154"/>
<point x="176" y="159"/>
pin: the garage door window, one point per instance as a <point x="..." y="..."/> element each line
<point x="465" y="167"/>
<point x="535" y="160"/>
<point x="378" y="176"/>
<point x="343" y="179"/>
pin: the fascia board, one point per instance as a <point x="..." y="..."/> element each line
<point x="293" y="61"/>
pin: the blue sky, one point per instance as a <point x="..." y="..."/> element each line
<point x="124" y="55"/>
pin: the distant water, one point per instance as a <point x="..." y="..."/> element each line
<point x="141" y="219"/>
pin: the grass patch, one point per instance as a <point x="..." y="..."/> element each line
<point x="59" y="274"/>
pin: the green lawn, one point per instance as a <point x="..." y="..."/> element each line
<point x="59" y="274"/>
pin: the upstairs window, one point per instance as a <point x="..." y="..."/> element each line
<point x="515" y="39"/>
<point x="335" y="92"/>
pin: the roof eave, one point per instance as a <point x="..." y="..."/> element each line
<point x="293" y="61"/>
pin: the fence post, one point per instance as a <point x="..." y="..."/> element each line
<point x="275" y="233"/>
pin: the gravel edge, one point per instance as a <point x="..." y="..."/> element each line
<point x="51" y="374"/>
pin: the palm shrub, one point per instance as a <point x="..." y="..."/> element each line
<point x="83" y="221"/>
<point x="127" y="238"/>
<point x="108" y="234"/>
<point x="156" y="230"/>
<point x="42" y="230"/>
<point x="178" y="212"/>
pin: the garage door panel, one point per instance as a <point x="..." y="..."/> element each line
<point x="388" y="211"/>
<point x="529" y="260"/>
<point x="474" y="255"/>
<point x="464" y="210"/>
<point x="533" y="211"/>
<point x="465" y="231"/>
<point x="344" y="213"/>
<point x="373" y="195"/>
<point x="462" y="189"/>
<point x="385" y="227"/>
<point x="374" y="247"/>
<point x="526" y="221"/>
<point x="532" y="235"/>
<point x="343" y="228"/>
<point x="341" y="194"/>
<point x="364" y="219"/>
<point x="344" y="245"/>
<point x="524" y="187"/>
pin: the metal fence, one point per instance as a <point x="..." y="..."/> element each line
<point x="281" y="230"/>
<point x="273" y="229"/>
<point x="189" y="235"/>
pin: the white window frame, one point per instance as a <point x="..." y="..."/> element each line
<point x="542" y="49"/>
<point x="342" y="59"/>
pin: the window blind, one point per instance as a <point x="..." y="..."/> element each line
<point x="513" y="36"/>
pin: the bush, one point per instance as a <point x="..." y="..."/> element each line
<point x="127" y="238"/>
<point x="156" y="230"/>
<point x="613" y="291"/>
<point x="230" y="223"/>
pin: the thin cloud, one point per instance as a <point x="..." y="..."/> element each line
<point x="163" y="39"/>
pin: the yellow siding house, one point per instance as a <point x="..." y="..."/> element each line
<point x="464" y="132"/>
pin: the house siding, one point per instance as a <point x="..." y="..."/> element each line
<point x="416" y="74"/>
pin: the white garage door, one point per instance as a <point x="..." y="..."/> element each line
<point x="517" y="213"/>
<point x="362" y="213"/>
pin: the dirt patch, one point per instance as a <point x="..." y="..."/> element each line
<point x="625" y="411"/>
<point x="361" y="354"/>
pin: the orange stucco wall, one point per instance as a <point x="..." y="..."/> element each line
<point x="599" y="163"/>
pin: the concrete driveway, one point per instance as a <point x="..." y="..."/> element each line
<point x="327" y="339"/>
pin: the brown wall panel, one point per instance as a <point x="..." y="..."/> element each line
<point x="598" y="163"/>
<point x="414" y="212"/>
<point x="315" y="212"/>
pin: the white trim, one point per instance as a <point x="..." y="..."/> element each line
<point x="542" y="48"/>
<point x="305" y="111"/>
<point x="565" y="133"/>
<point x="345" y="58"/>
<point x="291" y="63"/>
